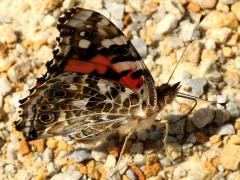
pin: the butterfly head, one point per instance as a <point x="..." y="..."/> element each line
<point x="166" y="93"/>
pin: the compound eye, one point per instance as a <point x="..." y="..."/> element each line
<point x="59" y="93"/>
<point x="46" y="118"/>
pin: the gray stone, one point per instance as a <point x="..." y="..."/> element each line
<point x="99" y="155"/>
<point x="232" y="107"/>
<point x="221" y="117"/>
<point x="80" y="155"/>
<point x="228" y="2"/>
<point x="139" y="159"/>
<point x="226" y="129"/>
<point x="74" y="175"/>
<point x="202" y="117"/>
<point x="137" y="148"/>
<point x="140" y="45"/>
<point x="131" y="175"/>
<point x="196" y="86"/>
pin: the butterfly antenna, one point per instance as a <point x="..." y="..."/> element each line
<point x="194" y="31"/>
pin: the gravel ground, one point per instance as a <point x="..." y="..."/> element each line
<point x="205" y="146"/>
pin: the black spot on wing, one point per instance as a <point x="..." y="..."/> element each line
<point x="137" y="74"/>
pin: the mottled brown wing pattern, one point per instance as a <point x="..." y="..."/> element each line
<point x="84" y="106"/>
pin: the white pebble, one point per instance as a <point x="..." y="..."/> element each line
<point x="74" y="175"/>
<point x="67" y="4"/>
<point x="47" y="155"/>
<point x="226" y="129"/>
<point x="139" y="159"/>
<point x="49" y="20"/>
<point x="5" y="86"/>
<point x="110" y="161"/>
<point x="116" y="9"/>
<point x="140" y="45"/>
<point x="168" y="23"/>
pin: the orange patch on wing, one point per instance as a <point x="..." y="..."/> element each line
<point x="133" y="84"/>
<point x="98" y="63"/>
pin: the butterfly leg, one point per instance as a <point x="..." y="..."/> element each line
<point x="166" y="123"/>
<point x="122" y="152"/>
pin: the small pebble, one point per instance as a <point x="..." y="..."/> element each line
<point x="226" y="129"/>
<point x="137" y="148"/>
<point x="5" y="86"/>
<point x="235" y="139"/>
<point x="202" y="117"/>
<point x="130" y="174"/>
<point x="47" y="155"/>
<point x="80" y="155"/>
<point x="140" y="45"/>
<point x="139" y="159"/>
<point x="74" y="175"/>
<point x="116" y="9"/>
<point x="110" y="161"/>
<point x="168" y="23"/>
<point x="179" y="172"/>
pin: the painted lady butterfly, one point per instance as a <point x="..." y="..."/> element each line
<point x="95" y="84"/>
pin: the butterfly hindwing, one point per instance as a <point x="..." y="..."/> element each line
<point x="77" y="104"/>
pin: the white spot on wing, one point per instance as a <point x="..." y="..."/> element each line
<point x="120" y="40"/>
<point x="83" y="43"/>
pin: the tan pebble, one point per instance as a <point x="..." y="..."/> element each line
<point x="70" y="162"/>
<point x="209" y="55"/>
<point x="222" y="7"/>
<point x="113" y="150"/>
<point x="124" y="177"/>
<point x="90" y="168"/>
<point x="27" y="44"/>
<point x="41" y="176"/>
<point x="227" y="52"/>
<point x="149" y="7"/>
<point x="63" y="145"/>
<point x="216" y="161"/>
<point x="183" y="2"/>
<point x="194" y="7"/>
<point x="24" y="148"/>
<point x="201" y="138"/>
<point x="38" y="44"/>
<point x="173" y="150"/>
<point x="229" y="156"/>
<point x="209" y="166"/>
<point x="215" y="138"/>
<point x="237" y="124"/>
<point x="236" y="9"/>
<point x="152" y="170"/>
<point x="138" y="172"/>
<point x="61" y="161"/>
<point x="52" y="143"/>
<point x="82" y="168"/>
<point x="102" y="172"/>
<point x="3" y="49"/>
<point x="39" y="144"/>
<point x="235" y="139"/>
<point x="7" y="64"/>
<point x="127" y="33"/>
<point x="51" y="4"/>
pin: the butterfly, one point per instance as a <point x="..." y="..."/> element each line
<point x="95" y="84"/>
